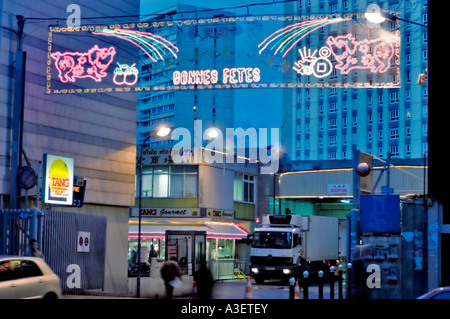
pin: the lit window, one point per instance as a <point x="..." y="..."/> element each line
<point x="169" y="181"/>
<point x="244" y="188"/>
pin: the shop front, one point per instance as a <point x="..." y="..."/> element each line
<point x="221" y="236"/>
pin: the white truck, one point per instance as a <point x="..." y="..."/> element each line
<point x="280" y="242"/>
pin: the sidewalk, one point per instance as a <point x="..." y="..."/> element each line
<point x="230" y="289"/>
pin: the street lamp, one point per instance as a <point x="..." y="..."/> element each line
<point x="375" y="16"/>
<point x="160" y="132"/>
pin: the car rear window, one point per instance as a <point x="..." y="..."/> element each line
<point x="17" y="269"/>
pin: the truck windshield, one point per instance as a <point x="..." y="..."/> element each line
<point x="264" y="239"/>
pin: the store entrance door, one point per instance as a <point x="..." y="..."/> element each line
<point x="189" y="247"/>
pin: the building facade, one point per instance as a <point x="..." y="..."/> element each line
<point x="98" y="131"/>
<point x="327" y="123"/>
<point x="216" y="198"/>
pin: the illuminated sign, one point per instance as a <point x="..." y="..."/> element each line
<point x="123" y="71"/>
<point x="283" y="40"/>
<point x="58" y="180"/>
<point x="166" y="212"/>
<point x="154" y="46"/>
<point x="91" y="64"/>
<point x="223" y="53"/>
<point x="220" y="213"/>
<point x="79" y="189"/>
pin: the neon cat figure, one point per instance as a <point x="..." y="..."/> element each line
<point x="375" y="55"/>
<point x="92" y="64"/>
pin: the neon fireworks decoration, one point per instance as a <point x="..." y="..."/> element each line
<point x="155" y="47"/>
<point x="283" y="40"/>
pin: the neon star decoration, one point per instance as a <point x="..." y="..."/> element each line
<point x="155" y="47"/>
<point x="283" y="40"/>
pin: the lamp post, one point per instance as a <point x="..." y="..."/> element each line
<point x="161" y="132"/>
<point x="375" y="16"/>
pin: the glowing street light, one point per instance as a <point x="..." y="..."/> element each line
<point x="375" y="17"/>
<point x="373" y="14"/>
<point x="161" y="132"/>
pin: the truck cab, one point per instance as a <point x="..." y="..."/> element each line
<point x="275" y="251"/>
<point x="282" y="240"/>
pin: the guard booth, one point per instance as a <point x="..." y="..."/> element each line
<point x="189" y="247"/>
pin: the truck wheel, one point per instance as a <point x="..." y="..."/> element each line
<point x="259" y="280"/>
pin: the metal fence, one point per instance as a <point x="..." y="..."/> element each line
<point x="73" y="244"/>
<point x="17" y="227"/>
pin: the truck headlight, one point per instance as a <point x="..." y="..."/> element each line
<point x="286" y="271"/>
<point x="254" y="270"/>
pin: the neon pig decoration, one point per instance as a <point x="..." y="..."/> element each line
<point x="283" y="40"/>
<point x="123" y="71"/>
<point x="375" y="55"/>
<point x="154" y="46"/>
<point x="77" y="65"/>
<point x="310" y="64"/>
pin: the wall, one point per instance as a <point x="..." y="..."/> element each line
<point x="212" y="182"/>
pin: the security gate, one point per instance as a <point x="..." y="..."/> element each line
<point x="73" y="244"/>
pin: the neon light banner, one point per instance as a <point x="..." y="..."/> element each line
<point x="223" y="53"/>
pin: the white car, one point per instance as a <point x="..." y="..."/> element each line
<point x="23" y="277"/>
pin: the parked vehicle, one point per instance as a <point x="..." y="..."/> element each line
<point x="282" y="240"/>
<point x="23" y="277"/>
<point x="436" y="293"/>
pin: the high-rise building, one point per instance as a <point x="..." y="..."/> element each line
<point x="326" y="123"/>
<point x="199" y="47"/>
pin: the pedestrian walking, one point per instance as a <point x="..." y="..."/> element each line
<point x="33" y="249"/>
<point x="204" y="282"/>
<point x="171" y="274"/>
<point x="301" y="266"/>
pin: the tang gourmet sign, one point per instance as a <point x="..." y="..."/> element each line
<point x="223" y="53"/>
<point x="58" y="180"/>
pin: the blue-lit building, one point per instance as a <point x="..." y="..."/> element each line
<point x="199" y="47"/>
<point x="321" y="124"/>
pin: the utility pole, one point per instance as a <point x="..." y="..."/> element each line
<point x="18" y="110"/>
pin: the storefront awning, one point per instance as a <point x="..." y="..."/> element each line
<point x="213" y="229"/>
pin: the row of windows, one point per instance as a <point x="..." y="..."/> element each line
<point x="166" y="119"/>
<point x="158" y="98"/>
<point x="394" y="97"/>
<point x="182" y="182"/>
<point x="394" y="151"/>
<point x="393" y="134"/>
<point x="169" y="181"/>
<point x="333" y="122"/>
